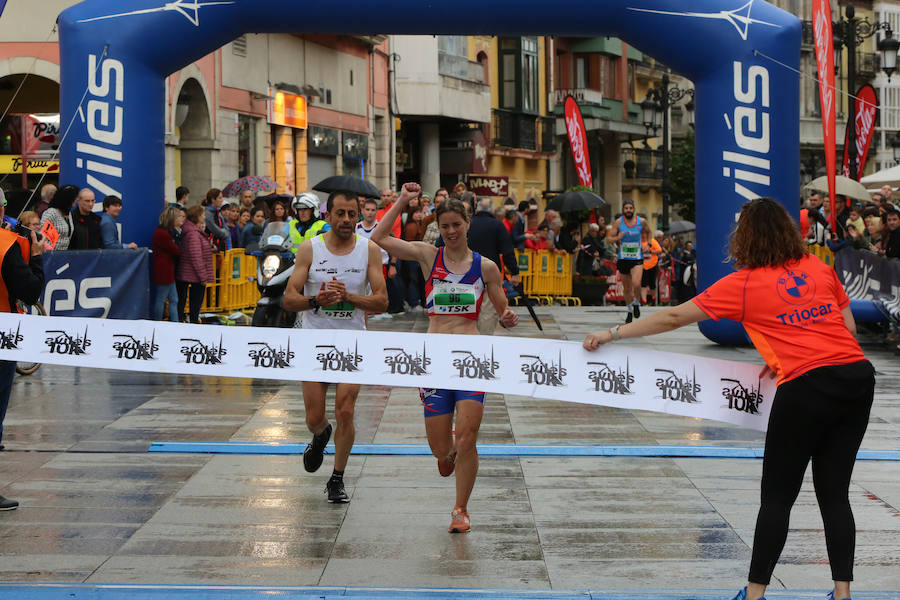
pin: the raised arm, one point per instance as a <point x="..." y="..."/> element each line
<point x="490" y="273"/>
<point x="396" y="247"/>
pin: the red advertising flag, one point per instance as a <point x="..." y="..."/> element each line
<point x="578" y="141"/>
<point x="866" y="106"/>
<point x="824" y="45"/>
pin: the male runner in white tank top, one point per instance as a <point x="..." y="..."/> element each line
<point x="329" y="285"/>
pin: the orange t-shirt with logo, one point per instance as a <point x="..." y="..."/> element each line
<point x="652" y="259"/>
<point x="792" y="314"/>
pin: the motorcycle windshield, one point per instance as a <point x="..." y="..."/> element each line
<point x="275" y="235"/>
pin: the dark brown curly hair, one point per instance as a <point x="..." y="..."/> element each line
<point x="766" y="236"/>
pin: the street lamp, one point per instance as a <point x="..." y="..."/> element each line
<point x="849" y="33"/>
<point x="895" y="145"/>
<point x="658" y="101"/>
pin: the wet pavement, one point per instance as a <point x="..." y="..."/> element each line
<point x="97" y="508"/>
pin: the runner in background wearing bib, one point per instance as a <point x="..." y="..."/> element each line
<point x="364" y="229"/>
<point x="332" y="273"/>
<point x="456" y="281"/>
<point x="631" y="232"/>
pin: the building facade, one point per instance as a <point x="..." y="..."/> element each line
<point x="294" y="108"/>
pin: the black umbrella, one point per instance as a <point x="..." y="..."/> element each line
<point x="681" y="227"/>
<point x="575" y="201"/>
<point x="348" y="183"/>
<point x="270" y="199"/>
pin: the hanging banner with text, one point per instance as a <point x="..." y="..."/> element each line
<point x="578" y="142"/>
<point x="616" y="375"/>
<point x="866" y="107"/>
<point x="824" y="45"/>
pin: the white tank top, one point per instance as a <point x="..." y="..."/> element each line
<point x="367" y="233"/>
<point x="350" y="269"/>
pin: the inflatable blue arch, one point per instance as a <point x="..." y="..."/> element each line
<point x="116" y="55"/>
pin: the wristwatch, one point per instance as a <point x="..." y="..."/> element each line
<point x="614" y="333"/>
<point x="312" y="303"/>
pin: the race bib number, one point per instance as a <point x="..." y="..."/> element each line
<point x="454" y="299"/>
<point x="631" y="250"/>
<point x="341" y="310"/>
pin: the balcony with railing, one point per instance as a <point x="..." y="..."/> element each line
<point x="460" y="67"/>
<point x="867" y="64"/>
<point x="642" y="167"/>
<point x="523" y="131"/>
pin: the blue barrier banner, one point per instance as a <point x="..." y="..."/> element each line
<point x="112" y="284"/>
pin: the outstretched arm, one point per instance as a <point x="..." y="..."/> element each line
<point x="490" y="273"/>
<point x="396" y="247"/>
<point x="660" y="322"/>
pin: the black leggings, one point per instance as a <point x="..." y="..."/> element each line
<point x="821" y="415"/>
<point x="193" y="293"/>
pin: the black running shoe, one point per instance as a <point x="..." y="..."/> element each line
<point x="637" y="311"/>
<point x="7" y="504"/>
<point x="335" y="490"/>
<point x="629" y="318"/>
<point x="315" y="451"/>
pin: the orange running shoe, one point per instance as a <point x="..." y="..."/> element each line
<point x="447" y="464"/>
<point x="459" y="521"/>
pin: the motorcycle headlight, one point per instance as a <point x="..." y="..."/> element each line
<point x="270" y="265"/>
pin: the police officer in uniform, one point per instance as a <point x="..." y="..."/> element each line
<point x="306" y="226"/>
<point x="21" y="278"/>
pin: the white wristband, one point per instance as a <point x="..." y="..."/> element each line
<point x="614" y="333"/>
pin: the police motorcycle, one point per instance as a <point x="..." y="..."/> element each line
<point x="274" y="266"/>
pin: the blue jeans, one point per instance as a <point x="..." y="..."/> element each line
<point x="165" y="291"/>
<point x="7" y="373"/>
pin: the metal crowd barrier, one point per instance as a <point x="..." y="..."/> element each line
<point x="823" y="253"/>
<point x="234" y="288"/>
<point x="547" y="276"/>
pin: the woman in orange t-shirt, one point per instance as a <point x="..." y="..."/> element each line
<point x="796" y="313"/>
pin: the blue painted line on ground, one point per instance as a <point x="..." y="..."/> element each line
<point x="671" y="451"/>
<point x="53" y="591"/>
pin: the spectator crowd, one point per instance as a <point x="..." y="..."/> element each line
<point x="188" y="235"/>
<point x="871" y="226"/>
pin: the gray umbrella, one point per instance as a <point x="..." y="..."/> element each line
<point x="844" y="186"/>
<point x="681" y="227"/>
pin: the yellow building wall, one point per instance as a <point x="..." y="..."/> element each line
<point x="527" y="176"/>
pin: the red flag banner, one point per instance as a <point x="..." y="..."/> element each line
<point x="824" y="45"/>
<point x="866" y="106"/>
<point x="578" y="142"/>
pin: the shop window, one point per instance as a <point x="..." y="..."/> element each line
<point x="608" y="76"/>
<point x="519" y="74"/>
<point x="246" y="145"/>
<point x="582" y="73"/>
